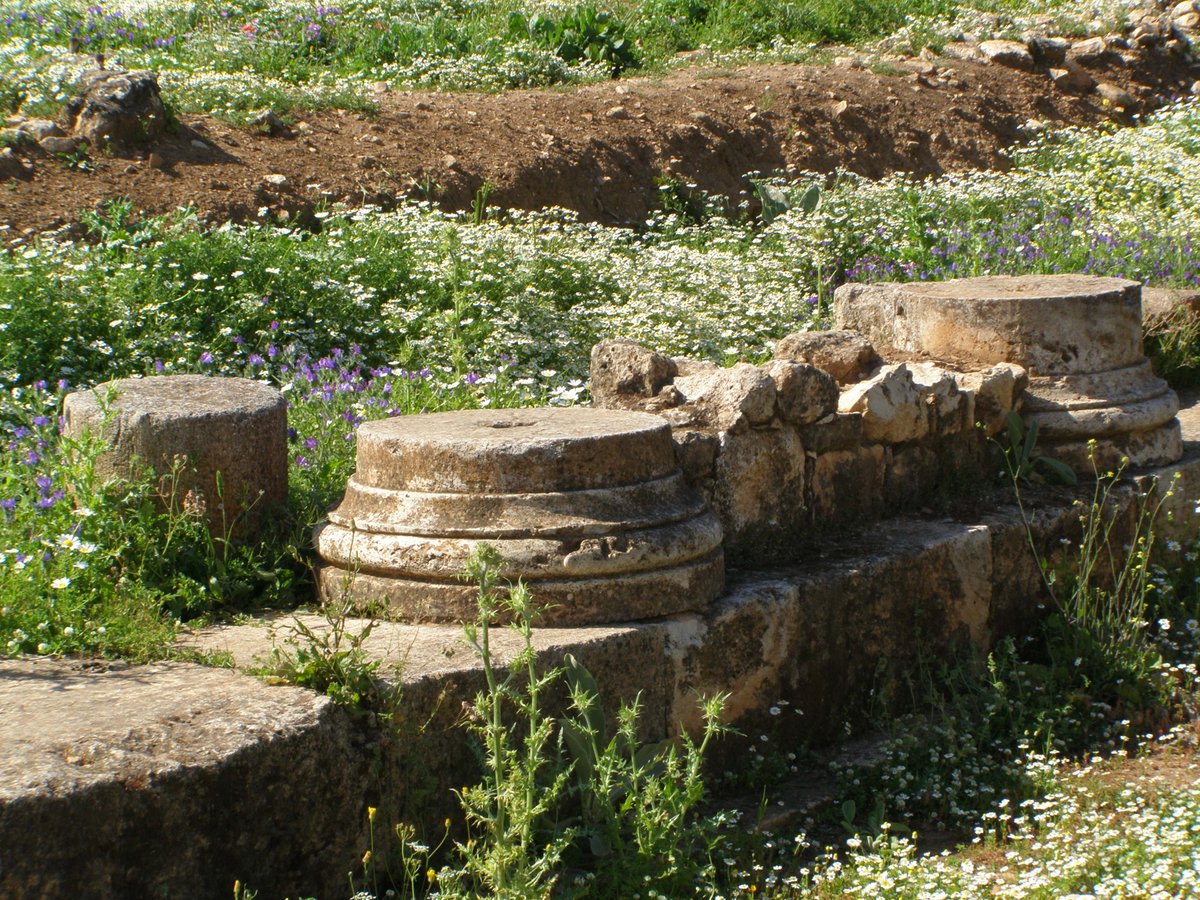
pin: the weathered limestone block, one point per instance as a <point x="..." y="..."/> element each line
<point x="803" y="393"/>
<point x="1162" y="307"/>
<point x="847" y="486"/>
<point x="731" y="399"/>
<point x="1090" y="50"/>
<point x="1049" y="51"/>
<point x="758" y="491"/>
<point x="846" y="355"/>
<point x="1013" y="54"/>
<point x="910" y="476"/>
<point x="997" y="392"/>
<point x="11" y="165"/>
<point x="891" y="404"/>
<point x="1185" y="16"/>
<point x="952" y="409"/>
<point x="685" y="367"/>
<point x="868" y="310"/>
<point x="838" y="431"/>
<point x="117" y="109"/>
<point x="1116" y="96"/>
<point x="696" y="453"/>
<point x="624" y="374"/>
<point x="587" y="506"/>
<point x="964" y="51"/>
<point x="172" y="780"/>
<point x="1079" y="337"/>
<point x="38" y="130"/>
<point x="1050" y="324"/>
<point x="231" y="432"/>
<point x="1072" y="78"/>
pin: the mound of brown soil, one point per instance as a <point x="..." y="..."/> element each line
<point x="597" y="149"/>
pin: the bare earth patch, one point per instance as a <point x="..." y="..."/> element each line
<point x="597" y="149"/>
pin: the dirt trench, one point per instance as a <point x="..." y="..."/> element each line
<point x="601" y="150"/>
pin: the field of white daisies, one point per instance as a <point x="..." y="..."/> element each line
<point x="1064" y="768"/>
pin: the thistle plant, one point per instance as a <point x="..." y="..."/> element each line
<point x="563" y="793"/>
<point x="511" y="851"/>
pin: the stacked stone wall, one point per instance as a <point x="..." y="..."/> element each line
<point x="821" y="440"/>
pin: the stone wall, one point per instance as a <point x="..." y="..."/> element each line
<point x="820" y="440"/>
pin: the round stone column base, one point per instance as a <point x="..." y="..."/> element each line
<point x="225" y="438"/>
<point x="1137" y="449"/>
<point x="562" y="601"/>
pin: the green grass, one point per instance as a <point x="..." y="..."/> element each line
<point x="231" y="59"/>
<point x="419" y="288"/>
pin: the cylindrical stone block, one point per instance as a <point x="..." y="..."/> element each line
<point x="229" y="433"/>
<point x="586" y="506"/>
<point x="1048" y="324"/>
<point x="1091" y="390"/>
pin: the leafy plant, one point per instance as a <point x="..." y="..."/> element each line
<point x="1022" y="460"/>
<point x="775" y="201"/>
<point x="562" y="793"/>
<point x="638" y="801"/>
<point x="332" y="659"/>
<point x="584" y="33"/>
<point x="1173" y="345"/>
<point x="510" y="852"/>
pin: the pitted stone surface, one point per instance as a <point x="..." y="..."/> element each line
<point x="514" y="450"/>
<point x="732" y="399"/>
<point x="587" y="506"/>
<point x="846" y="355"/>
<point x="1050" y="325"/>
<point x="232" y="426"/>
<point x="169" y="780"/>
<point x="624" y="374"/>
<point x="117" y="110"/>
<point x="1079" y="337"/>
<point x="891" y="406"/>
<point x="803" y="393"/>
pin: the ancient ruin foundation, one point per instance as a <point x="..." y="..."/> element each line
<point x="1091" y="390"/>
<point x="823" y="468"/>
<point x="588" y="507"/>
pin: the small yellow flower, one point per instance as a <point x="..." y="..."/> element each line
<point x="371" y="814"/>
<point x="431" y="875"/>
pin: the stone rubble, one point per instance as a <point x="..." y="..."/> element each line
<point x="804" y="393"/>
<point x="783" y="453"/>
<point x="846" y="355"/>
<point x="116" y="111"/>
<point x="113" y="111"/>
<point x="624" y="374"/>
<point x="890" y="405"/>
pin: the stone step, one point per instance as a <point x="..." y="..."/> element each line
<point x="172" y="779"/>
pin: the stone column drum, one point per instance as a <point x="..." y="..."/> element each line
<point x="586" y="506"/>
<point x="231" y="428"/>
<point x="1078" y="336"/>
